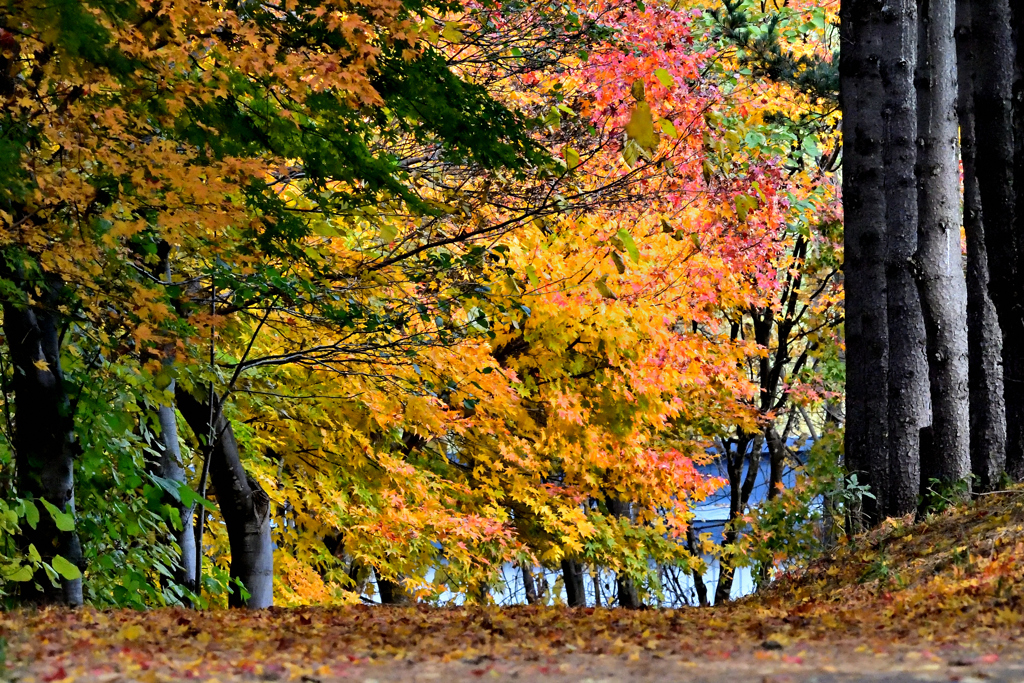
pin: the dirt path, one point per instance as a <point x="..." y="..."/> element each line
<point x="990" y="659"/>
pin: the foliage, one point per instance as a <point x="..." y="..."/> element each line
<point x="466" y="277"/>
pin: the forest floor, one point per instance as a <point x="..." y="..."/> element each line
<point x="937" y="600"/>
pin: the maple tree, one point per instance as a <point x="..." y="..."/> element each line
<point x="410" y="294"/>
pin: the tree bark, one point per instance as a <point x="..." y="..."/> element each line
<point x="866" y="309"/>
<point x="392" y="592"/>
<point x="1013" y="387"/>
<point x="572" y="577"/>
<point x="993" y="127"/>
<point x="44" y="441"/>
<point x="776" y="461"/>
<point x="529" y="584"/>
<point x="908" y="368"/>
<point x="169" y="465"/>
<point x="984" y="338"/>
<point x="740" y="488"/>
<point x="940" y="273"/>
<point x="626" y="591"/>
<point x="244" y="505"/>
<point x="698" y="579"/>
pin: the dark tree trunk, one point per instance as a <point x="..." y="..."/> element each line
<point x="626" y="589"/>
<point x="908" y="368"/>
<point x="994" y="169"/>
<point x="392" y="592"/>
<point x="529" y="584"/>
<point x="44" y="442"/>
<point x="987" y="410"/>
<point x="244" y="505"/>
<point x="572" y="577"/>
<point x="698" y="579"/>
<point x="740" y="488"/>
<point x="1015" y="403"/>
<point x="776" y="461"/>
<point x="866" y="310"/>
<point x="940" y="272"/>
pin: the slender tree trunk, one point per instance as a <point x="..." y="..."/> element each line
<point x="776" y="461"/>
<point x="44" y="442"/>
<point x="170" y="465"/>
<point x="740" y="488"/>
<point x="984" y="338"/>
<point x="939" y="261"/>
<point x="994" y="169"/>
<point x="626" y="589"/>
<point x="866" y="308"/>
<point x="529" y="584"/>
<point x="908" y="368"/>
<point x="244" y="505"/>
<point x="572" y="577"/>
<point x="698" y="579"/>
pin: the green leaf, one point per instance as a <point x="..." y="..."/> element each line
<point x="665" y="77"/>
<point x="388" y="233"/>
<point x="572" y="158"/>
<point x="33" y="554"/>
<point x="630" y="245"/>
<point x="451" y="33"/>
<point x="620" y="265"/>
<point x="531" y="273"/>
<point x="604" y="289"/>
<point x="745" y="204"/>
<point x="190" y="498"/>
<point x="668" y="128"/>
<point x="637" y="90"/>
<point x="65" y="568"/>
<point x="63" y="520"/>
<point x="810" y="146"/>
<point x="31" y="513"/>
<point x="23" y="573"/>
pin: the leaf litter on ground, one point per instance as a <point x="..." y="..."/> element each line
<point x="940" y="598"/>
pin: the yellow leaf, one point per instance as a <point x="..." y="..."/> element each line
<point x="133" y="632"/>
<point x="41" y="364"/>
<point x="641" y="127"/>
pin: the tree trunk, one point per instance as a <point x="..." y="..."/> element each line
<point x="244" y="505"/>
<point x="572" y="577"/>
<point x="994" y="169"/>
<point x="740" y="488"/>
<point x="529" y="584"/>
<point x="939" y="261"/>
<point x="392" y="592"/>
<point x="984" y="338"/>
<point x="170" y="465"/>
<point x="44" y="442"/>
<point x="698" y="578"/>
<point x="1015" y="385"/>
<point x="867" y="337"/>
<point x="908" y="368"/>
<point x="627" y="594"/>
<point x="776" y="461"/>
